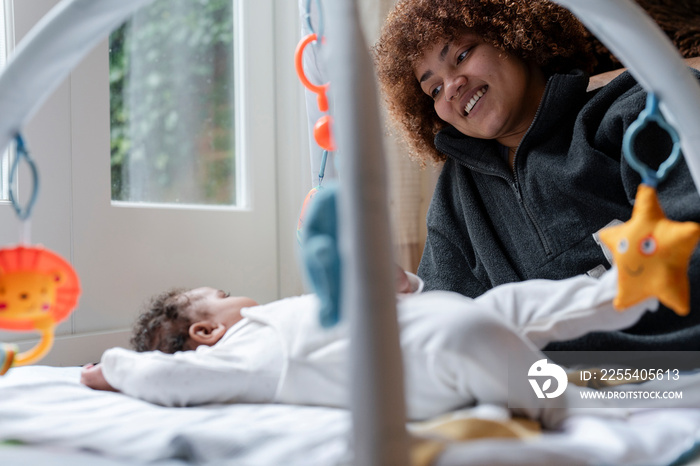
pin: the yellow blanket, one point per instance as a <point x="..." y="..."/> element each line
<point x="430" y="438"/>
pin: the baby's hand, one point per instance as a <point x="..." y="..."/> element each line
<point x="403" y="284"/>
<point x="92" y="376"/>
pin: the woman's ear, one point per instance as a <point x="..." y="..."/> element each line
<point x="206" y="333"/>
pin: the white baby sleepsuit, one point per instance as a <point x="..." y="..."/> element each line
<point x="456" y="349"/>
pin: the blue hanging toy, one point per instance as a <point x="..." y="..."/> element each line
<point x="652" y="253"/>
<point x="320" y="254"/>
<point x="317" y="230"/>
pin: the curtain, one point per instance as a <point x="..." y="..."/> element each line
<point x="410" y="187"/>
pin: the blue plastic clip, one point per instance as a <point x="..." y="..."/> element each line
<point x="23" y="154"/>
<point x="650" y="114"/>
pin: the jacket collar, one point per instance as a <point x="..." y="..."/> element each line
<point x="563" y="94"/>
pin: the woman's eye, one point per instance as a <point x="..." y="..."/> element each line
<point x="462" y="56"/>
<point x="434" y="93"/>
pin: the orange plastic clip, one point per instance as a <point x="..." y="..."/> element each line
<point x="298" y="63"/>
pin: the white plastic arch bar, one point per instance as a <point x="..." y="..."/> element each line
<point x="368" y="299"/>
<point x="48" y="53"/>
<point x="636" y="40"/>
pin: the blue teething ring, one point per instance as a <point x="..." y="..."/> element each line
<point x="22" y="154"/>
<point x="650" y="114"/>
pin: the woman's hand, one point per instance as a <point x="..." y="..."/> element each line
<point x="92" y="376"/>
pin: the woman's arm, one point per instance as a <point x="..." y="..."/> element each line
<point x="444" y="267"/>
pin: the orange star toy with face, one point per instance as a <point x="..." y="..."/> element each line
<point x="652" y="255"/>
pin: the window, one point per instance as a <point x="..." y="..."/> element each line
<point x="125" y="251"/>
<point x="172" y="105"/>
<point x="6" y="39"/>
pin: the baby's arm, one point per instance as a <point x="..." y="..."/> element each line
<point x="555" y="310"/>
<point x="182" y="379"/>
<point x="91" y="376"/>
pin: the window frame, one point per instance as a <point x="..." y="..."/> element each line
<point x="7" y="43"/>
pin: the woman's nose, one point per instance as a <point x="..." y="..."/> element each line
<point x="453" y="87"/>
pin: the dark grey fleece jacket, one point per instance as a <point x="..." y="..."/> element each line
<point x="489" y="225"/>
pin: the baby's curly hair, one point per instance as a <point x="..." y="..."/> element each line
<point x="164" y="324"/>
<point x="534" y="30"/>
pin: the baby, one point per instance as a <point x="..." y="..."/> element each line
<point x="203" y="346"/>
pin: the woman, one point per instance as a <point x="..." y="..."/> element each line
<point x="533" y="166"/>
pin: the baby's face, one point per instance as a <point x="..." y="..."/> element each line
<point x="218" y="306"/>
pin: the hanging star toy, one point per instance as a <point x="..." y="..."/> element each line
<point x="652" y="252"/>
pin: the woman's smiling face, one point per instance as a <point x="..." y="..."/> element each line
<point x="482" y="91"/>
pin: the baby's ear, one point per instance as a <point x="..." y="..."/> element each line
<point x="207" y="333"/>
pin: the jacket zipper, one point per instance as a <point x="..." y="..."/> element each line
<point x="516" y="187"/>
<point x="538" y="229"/>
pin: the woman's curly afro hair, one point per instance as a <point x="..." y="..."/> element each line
<point x="534" y="30"/>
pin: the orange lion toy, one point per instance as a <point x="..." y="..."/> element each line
<point x="38" y="290"/>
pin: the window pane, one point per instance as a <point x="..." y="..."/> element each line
<point x="171" y="97"/>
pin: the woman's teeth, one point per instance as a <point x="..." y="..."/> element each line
<point x="474" y="100"/>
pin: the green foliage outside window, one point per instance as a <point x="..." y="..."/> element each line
<point x="171" y="104"/>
